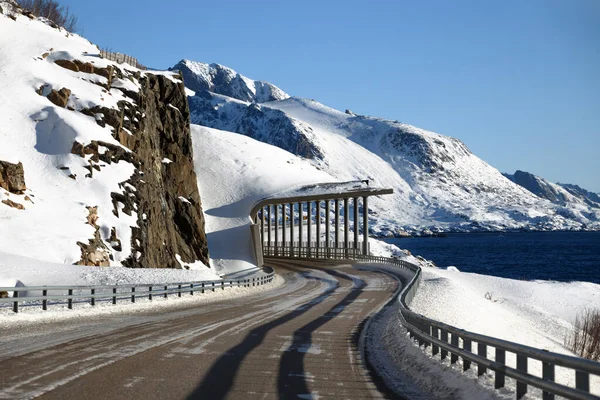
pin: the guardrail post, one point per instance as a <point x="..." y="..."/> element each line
<point x="434" y="348"/>
<point x="178" y="290"/>
<point x="213" y="286"/>
<point x="444" y="338"/>
<point x="346" y="228"/>
<point x="454" y="342"/>
<point x="133" y="294"/>
<point x="276" y="249"/>
<point x="93" y="299"/>
<point x="45" y="301"/>
<point x="70" y="301"/>
<point x="191" y="289"/>
<point x="582" y="381"/>
<point x="521" y="366"/>
<point x="482" y="352"/>
<point x="356" y="233"/>
<point x="309" y="227"/>
<point x="499" y="375"/>
<point x="467" y="346"/>
<point x="548" y="375"/>
<point x="202" y="287"/>
<point x="166" y="292"/>
<point x="223" y="285"/>
<point x="149" y="292"/>
<point x="16" y="303"/>
<point x="114" y="299"/>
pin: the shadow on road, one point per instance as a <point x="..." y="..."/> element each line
<point x="291" y="382"/>
<point x="219" y="379"/>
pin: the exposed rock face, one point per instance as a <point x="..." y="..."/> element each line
<point x="60" y="98"/>
<point x="538" y="186"/>
<point x="68" y="65"/>
<point x="12" y="177"/>
<point x="94" y="253"/>
<point x="13" y="204"/>
<point x="172" y="226"/>
<point x="256" y="121"/>
<point x="155" y="128"/>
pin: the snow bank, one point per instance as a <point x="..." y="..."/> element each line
<point x="534" y="313"/>
<point x="32" y="272"/>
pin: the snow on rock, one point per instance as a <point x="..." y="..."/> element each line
<point x="217" y="78"/>
<point x="85" y="141"/>
<point x="234" y="173"/>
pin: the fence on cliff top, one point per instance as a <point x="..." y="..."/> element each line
<point x="122" y="58"/>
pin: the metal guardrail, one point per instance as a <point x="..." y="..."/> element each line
<point x="447" y="340"/>
<point x="43" y="294"/>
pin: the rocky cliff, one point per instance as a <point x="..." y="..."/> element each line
<point x="163" y="189"/>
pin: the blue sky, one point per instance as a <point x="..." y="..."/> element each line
<point x="517" y="81"/>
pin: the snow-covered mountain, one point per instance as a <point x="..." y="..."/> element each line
<point x="222" y="80"/>
<point x="573" y="201"/>
<point x="439" y="184"/>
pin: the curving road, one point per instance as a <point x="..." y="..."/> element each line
<point x="298" y="341"/>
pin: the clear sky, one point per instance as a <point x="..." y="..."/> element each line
<point x="517" y="81"/>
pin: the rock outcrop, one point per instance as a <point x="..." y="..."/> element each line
<point x="60" y="98"/>
<point x="13" y="204"/>
<point x="94" y="253"/>
<point x="12" y="177"/>
<point x="155" y="126"/>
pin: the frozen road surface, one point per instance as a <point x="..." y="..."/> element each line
<point x="297" y="341"/>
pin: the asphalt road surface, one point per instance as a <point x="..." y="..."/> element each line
<point x="297" y="341"/>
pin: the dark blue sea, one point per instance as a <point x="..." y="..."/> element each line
<point x="559" y="256"/>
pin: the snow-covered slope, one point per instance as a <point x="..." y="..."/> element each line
<point x="220" y="79"/>
<point x="590" y="198"/>
<point x="99" y="187"/>
<point x="234" y="172"/>
<point x="535" y="313"/>
<point x="439" y="184"/>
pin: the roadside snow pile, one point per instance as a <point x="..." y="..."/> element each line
<point x="38" y="273"/>
<point x="234" y="172"/>
<point x="534" y="313"/>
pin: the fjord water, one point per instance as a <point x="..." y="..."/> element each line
<point x="559" y="256"/>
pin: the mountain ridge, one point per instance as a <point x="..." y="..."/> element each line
<point x="440" y="185"/>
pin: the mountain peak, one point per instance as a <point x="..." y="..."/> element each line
<point x="223" y="80"/>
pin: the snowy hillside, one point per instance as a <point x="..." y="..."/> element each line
<point x="86" y="174"/>
<point x="222" y="80"/>
<point x="439" y="184"/>
<point x="235" y="172"/>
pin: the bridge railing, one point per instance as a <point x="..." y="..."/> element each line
<point x="485" y="352"/>
<point x="42" y="296"/>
